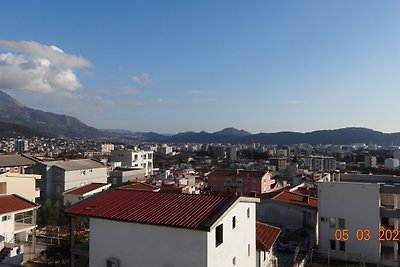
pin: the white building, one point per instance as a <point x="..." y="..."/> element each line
<point x="396" y="154"/>
<point x="353" y="212"/>
<point x="319" y="163"/>
<point x="139" y="159"/>
<point x="392" y="164"/>
<point x="369" y="161"/>
<point x="60" y="176"/>
<point x="165" y="149"/>
<point x="266" y="236"/>
<point x="17" y="221"/>
<point x="80" y="193"/>
<point x="163" y="229"/>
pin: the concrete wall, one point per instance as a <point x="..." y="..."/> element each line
<point x="146" y="245"/>
<point x="235" y="241"/>
<point x="358" y="204"/>
<point x="7" y="227"/>
<point x="21" y="184"/>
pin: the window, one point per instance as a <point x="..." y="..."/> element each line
<point x="342" y="246"/>
<point x="341" y="223"/>
<point x="248" y="212"/>
<point x="248" y="250"/>
<point x="333" y="245"/>
<point x="218" y="235"/>
<point x="234" y="261"/>
<point x="332" y="222"/>
<point x="83" y="172"/>
<point x="265" y="255"/>
<point x="4" y="218"/>
<point x="233" y="222"/>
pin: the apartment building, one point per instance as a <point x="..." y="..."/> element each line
<point x="359" y="216"/>
<point x="17" y="221"/>
<point x="165" y="229"/>
<point x="60" y="176"/>
<point x="320" y="163"/>
<point x="139" y="159"/>
<point x="241" y="182"/>
<point x="23" y="185"/>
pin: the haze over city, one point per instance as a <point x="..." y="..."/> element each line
<point x="171" y="66"/>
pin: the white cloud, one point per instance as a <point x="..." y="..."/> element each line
<point x="31" y="66"/>
<point x="142" y="78"/>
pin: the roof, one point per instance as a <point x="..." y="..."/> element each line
<point x="77" y="164"/>
<point x="297" y="199"/>
<point x="273" y="193"/>
<point x="13" y="203"/>
<point x="141" y="186"/>
<point x="169" y="209"/>
<point x="15" y="160"/>
<point x="266" y="236"/>
<point x="306" y="191"/>
<point x="237" y="173"/>
<point x="85" y="189"/>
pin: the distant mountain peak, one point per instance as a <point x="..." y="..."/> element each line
<point x="11" y="111"/>
<point x="232" y="131"/>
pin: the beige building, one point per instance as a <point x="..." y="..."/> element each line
<point x="23" y="185"/>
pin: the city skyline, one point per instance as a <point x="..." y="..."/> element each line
<point x="174" y="67"/>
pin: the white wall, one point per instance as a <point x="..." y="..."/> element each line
<point x="77" y="179"/>
<point x="7" y="227"/>
<point x="358" y="204"/>
<point x="235" y="241"/>
<point x="145" y="245"/>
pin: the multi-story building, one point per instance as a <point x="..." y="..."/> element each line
<point x="279" y="163"/>
<point x="369" y="161"/>
<point x="320" y="163"/>
<point x="15" y="163"/>
<point x="359" y="218"/>
<point x="231" y="153"/>
<point x="392" y="164"/>
<point x="21" y="145"/>
<point x="105" y="148"/>
<point x="139" y="159"/>
<point x="17" y="221"/>
<point x="23" y="185"/>
<point x="60" y="176"/>
<point x="164" y="229"/>
<point x="240" y="182"/>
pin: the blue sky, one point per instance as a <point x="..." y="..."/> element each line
<point x="173" y="66"/>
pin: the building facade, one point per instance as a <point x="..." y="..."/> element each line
<point x="140" y="159"/>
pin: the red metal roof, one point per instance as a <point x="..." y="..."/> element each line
<point x="85" y="189"/>
<point x="13" y="203"/>
<point x="266" y="236"/>
<point x="297" y="199"/>
<point x="176" y="210"/>
<point x="141" y="186"/>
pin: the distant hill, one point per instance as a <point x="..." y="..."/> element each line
<point x="11" y="111"/>
<point x="14" y="130"/>
<point x="234" y="136"/>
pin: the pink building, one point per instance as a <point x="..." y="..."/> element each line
<point x="240" y="182"/>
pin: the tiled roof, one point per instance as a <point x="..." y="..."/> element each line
<point x="297" y="199"/>
<point x="15" y="160"/>
<point x="237" y="173"/>
<point x="266" y="236"/>
<point x="85" y="189"/>
<point x="76" y="164"/>
<point x="141" y="186"/>
<point x="169" y="209"/>
<point x="13" y="203"/>
<point x="273" y="193"/>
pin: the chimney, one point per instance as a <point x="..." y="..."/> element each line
<point x="306" y="199"/>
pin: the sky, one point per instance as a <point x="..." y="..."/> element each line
<point x="175" y="66"/>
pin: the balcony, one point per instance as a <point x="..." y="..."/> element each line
<point x="24" y="222"/>
<point x="37" y="192"/>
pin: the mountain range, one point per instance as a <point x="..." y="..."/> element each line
<point x="46" y="123"/>
<point x="19" y="120"/>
